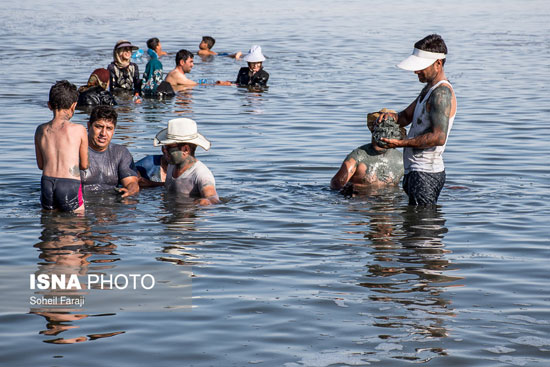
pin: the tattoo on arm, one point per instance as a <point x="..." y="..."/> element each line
<point x="440" y="110"/>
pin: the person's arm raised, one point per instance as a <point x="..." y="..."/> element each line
<point x="439" y="110"/>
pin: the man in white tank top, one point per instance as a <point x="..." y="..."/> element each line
<point x="186" y="176"/>
<point x="431" y="116"/>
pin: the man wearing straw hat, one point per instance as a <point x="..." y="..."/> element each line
<point x="186" y="176"/>
<point x="432" y="114"/>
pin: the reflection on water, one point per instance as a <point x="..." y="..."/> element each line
<point x="179" y="219"/>
<point x="184" y="101"/>
<point x="67" y="246"/>
<point x="408" y="273"/>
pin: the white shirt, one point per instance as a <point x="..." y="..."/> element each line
<point x="191" y="182"/>
<point x="429" y="159"/>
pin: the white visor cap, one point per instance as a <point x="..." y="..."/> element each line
<point x="420" y="60"/>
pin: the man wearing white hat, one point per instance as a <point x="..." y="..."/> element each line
<point x="432" y="114"/>
<point x="185" y="175"/>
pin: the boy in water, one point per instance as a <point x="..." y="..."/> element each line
<point x="372" y="165"/>
<point x="205" y="49"/>
<point x="61" y="152"/>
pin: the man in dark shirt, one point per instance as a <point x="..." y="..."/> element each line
<point x="110" y="164"/>
<point x="253" y="75"/>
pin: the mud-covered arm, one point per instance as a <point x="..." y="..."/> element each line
<point x="346" y="171"/>
<point x="439" y="110"/>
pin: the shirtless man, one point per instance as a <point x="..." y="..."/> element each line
<point x="61" y="152"/>
<point x="372" y="165"/>
<point x="184" y="64"/>
<point x="186" y="176"/>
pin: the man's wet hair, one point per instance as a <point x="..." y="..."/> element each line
<point x="62" y="95"/>
<point x="152" y="43"/>
<point x="209" y="41"/>
<point x="103" y="112"/>
<point x="183" y="55"/>
<point x="432" y="43"/>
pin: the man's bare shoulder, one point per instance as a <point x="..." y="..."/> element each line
<point x="77" y="127"/>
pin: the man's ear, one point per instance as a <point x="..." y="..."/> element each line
<point x="50" y="106"/>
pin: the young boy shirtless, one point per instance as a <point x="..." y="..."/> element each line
<point x="205" y="49"/>
<point x="61" y="152"/>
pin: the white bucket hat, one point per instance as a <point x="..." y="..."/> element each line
<point x="254" y="54"/>
<point x="181" y="130"/>
<point x="420" y="60"/>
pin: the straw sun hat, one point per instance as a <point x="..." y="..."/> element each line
<point x="182" y="130"/>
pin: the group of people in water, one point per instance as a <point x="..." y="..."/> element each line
<point x="71" y="157"/>
<point x="122" y="77"/>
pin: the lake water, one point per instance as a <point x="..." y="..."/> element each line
<point x="286" y="272"/>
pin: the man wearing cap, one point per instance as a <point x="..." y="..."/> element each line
<point x="186" y="176"/>
<point x="184" y="64"/>
<point x="432" y="114"/>
<point x="111" y="165"/>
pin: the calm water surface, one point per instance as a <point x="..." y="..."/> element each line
<point x="286" y="272"/>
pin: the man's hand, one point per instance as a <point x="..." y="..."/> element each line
<point x="393" y="143"/>
<point x="385" y="115"/>
<point x="130" y="186"/>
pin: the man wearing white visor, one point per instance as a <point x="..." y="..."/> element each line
<point x="432" y="114"/>
<point x="186" y="176"/>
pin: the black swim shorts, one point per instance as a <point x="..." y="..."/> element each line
<point x="423" y="188"/>
<point x="64" y="194"/>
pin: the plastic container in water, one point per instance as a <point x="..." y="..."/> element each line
<point x="206" y="81"/>
<point x="137" y="54"/>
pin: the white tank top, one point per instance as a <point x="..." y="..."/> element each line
<point x="430" y="159"/>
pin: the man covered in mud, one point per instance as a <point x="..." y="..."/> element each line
<point x="431" y="116"/>
<point x="372" y="165"/>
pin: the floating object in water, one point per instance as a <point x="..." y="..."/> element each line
<point x="137" y="54"/>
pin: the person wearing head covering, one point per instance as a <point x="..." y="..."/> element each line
<point x="254" y="75"/>
<point x="372" y="165"/>
<point x="124" y="74"/>
<point x="431" y="117"/>
<point x="152" y="83"/>
<point x="95" y="92"/>
<point x="186" y="176"/>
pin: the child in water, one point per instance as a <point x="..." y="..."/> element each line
<point x="61" y="152"/>
<point x="254" y="75"/>
<point x="153" y="85"/>
<point x="205" y="49"/>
